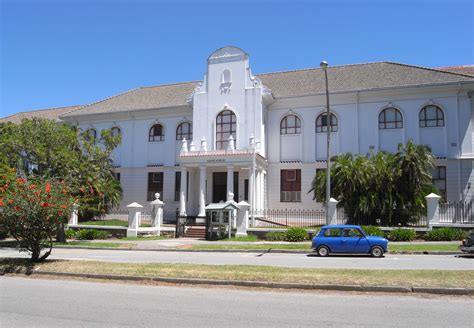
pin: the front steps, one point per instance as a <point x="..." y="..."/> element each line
<point x="196" y="230"/>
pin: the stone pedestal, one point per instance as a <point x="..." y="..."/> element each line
<point x="134" y="218"/>
<point x="74" y="217"/>
<point x="157" y="213"/>
<point x="332" y="209"/>
<point x="432" y="204"/>
<point x="242" y="218"/>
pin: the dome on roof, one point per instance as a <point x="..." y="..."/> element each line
<point x="229" y="51"/>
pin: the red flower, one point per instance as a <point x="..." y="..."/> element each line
<point x="20" y="180"/>
<point x="10" y="201"/>
<point x="1" y="203"/>
<point x="81" y="189"/>
<point x="45" y="205"/>
<point x="33" y="186"/>
<point x="18" y="208"/>
<point x="64" y="206"/>
<point x="48" y="188"/>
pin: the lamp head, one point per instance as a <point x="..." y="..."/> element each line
<point x="324" y="65"/>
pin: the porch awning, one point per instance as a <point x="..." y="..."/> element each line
<point x="221" y="206"/>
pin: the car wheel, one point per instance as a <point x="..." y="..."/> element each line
<point x="323" y="251"/>
<point x="376" y="251"/>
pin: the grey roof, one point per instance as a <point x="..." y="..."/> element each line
<point x="345" y="78"/>
<point x="464" y="69"/>
<point x="50" y="113"/>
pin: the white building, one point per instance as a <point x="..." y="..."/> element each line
<point x="278" y="125"/>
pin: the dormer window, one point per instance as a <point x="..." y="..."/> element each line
<point x="226" y="80"/>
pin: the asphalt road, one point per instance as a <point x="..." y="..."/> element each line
<point x="26" y="302"/>
<point x="401" y="262"/>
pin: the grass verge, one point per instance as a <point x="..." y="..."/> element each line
<point x="113" y="223"/>
<point x="92" y="244"/>
<point x="404" y="278"/>
<point x="145" y="238"/>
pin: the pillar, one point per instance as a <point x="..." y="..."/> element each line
<point x="202" y="194"/>
<point x="252" y="194"/>
<point x="134" y="216"/>
<point x="230" y="181"/>
<point x="332" y="208"/>
<point x="157" y="213"/>
<point x="74" y="217"/>
<point x="182" y="192"/>
<point x="432" y="204"/>
<point x="242" y="219"/>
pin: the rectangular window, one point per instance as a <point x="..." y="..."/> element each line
<point x="155" y="184"/>
<point x="177" y="185"/>
<point x="439" y="179"/>
<point x="246" y="190"/>
<point x="290" y="186"/>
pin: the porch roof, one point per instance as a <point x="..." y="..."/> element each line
<point x="221" y="206"/>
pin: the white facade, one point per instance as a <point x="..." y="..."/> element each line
<point x="261" y="151"/>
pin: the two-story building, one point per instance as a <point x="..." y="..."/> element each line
<point x="263" y="136"/>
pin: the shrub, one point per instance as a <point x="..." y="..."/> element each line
<point x="373" y="231"/>
<point x="70" y="233"/>
<point x="446" y="234"/>
<point x="275" y="236"/>
<point x="296" y="234"/>
<point x="402" y="235"/>
<point x="90" y="234"/>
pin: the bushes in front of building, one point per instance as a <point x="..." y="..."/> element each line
<point x="401" y="234"/>
<point x="295" y="234"/>
<point x="446" y="234"/>
<point x="373" y="231"/>
<point x="90" y="234"/>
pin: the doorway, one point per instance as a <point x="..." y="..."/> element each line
<point x="219" y="186"/>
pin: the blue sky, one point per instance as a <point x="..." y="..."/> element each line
<point x="68" y="52"/>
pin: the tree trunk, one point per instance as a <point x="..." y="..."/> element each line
<point x="60" y="234"/>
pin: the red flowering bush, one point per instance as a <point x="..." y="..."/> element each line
<point x="32" y="211"/>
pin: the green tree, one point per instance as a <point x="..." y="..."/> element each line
<point x="383" y="186"/>
<point x="42" y="149"/>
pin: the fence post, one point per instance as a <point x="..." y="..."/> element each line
<point x="432" y="204"/>
<point x="332" y="208"/>
<point x="242" y="218"/>
<point x="157" y="213"/>
<point x="74" y="217"/>
<point x="134" y="217"/>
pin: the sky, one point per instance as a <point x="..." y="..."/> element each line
<point x="72" y="52"/>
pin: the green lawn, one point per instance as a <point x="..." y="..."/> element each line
<point x="93" y="244"/>
<point x="114" y="223"/>
<point x="145" y="238"/>
<point x="424" y="247"/>
<point x="404" y="278"/>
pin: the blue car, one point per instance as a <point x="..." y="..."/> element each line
<point x="348" y="239"/>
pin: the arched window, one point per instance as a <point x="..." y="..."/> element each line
<point x="115" y="131"/>
<point x="290" y="124"/>
<point x="184" y="130"/>
<point x="157" y="133"/>
<point x="430" y="116"/>
<point x="91" y="134"/>
<point x="390" y="118"/>
<point x="226" y="76"/>
<point x="322" y="122"/>
<point x="226" y="125"/>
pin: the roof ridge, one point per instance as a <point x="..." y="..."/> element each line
<point x="41" y="110"/>
<point x="314" y="68"/>
<point x="429" y="69"/>
<point x="168" y="84"/>
<point x="105" y="99"/>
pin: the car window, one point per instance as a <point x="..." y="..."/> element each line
<point x="351" y="233"/>
<point x="332" y="232"/>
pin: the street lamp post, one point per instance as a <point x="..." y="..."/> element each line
<point x="324" y="66"/>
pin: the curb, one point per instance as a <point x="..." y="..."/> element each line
<point x="263" y="284"/>
<point x="269" y="250"/>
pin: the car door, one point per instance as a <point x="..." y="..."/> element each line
<point x="353" y="241"/>
<point x="332" y="238"/>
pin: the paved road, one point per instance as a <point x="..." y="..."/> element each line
<point x="28" y="302"/>
<point x="401" y="262"/>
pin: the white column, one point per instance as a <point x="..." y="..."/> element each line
<point x="432" y="204"/>
<point x="182" y="192"/>
<point x="73" y="219"/>
<point x="134" y="217"/>
<point x="230" y="181"/>
<point x="251" y="194"/>
<point x="202" y="192"/>
<point x="332" y="211"/>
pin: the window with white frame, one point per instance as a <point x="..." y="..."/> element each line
<point x="322" y="122"/>
<point x="226" y="125"/>
<point x="290" y="185"/>
<point x="431" y="116"/>
<point x="184" y="130"/>
<point x="290" y="124"/>
<point x="390" y="118"/>
<point x="157" y="133"/>
<point x="439" y="179"/>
